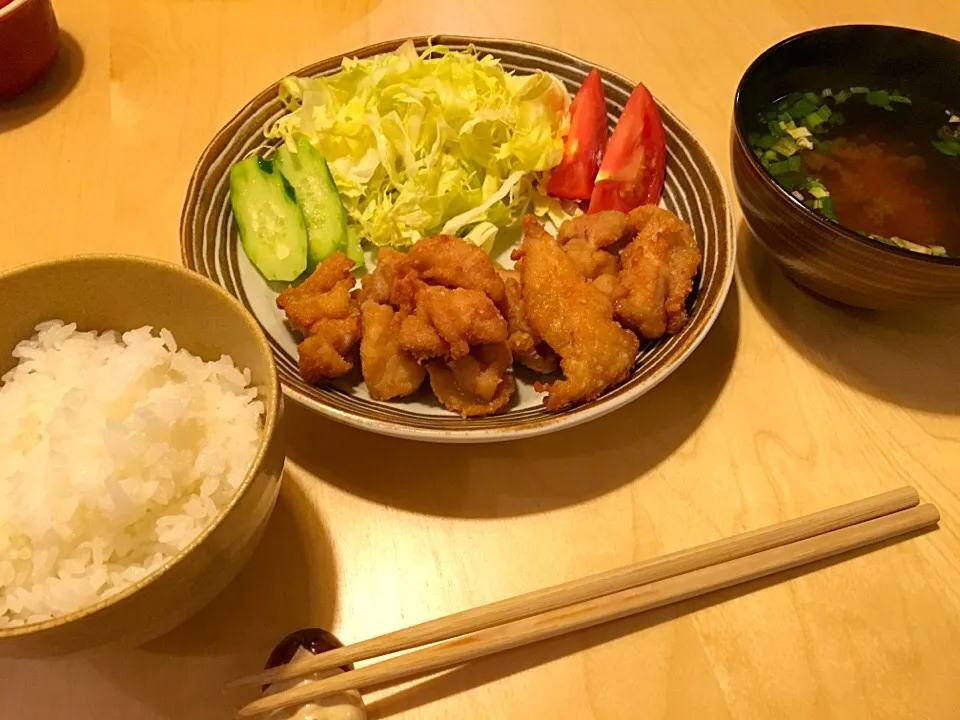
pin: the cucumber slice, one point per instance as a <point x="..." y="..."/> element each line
<point x="317" y="196"/>
<point x="272" y="229"/>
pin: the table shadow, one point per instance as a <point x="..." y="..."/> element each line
<point x="502" y="665"/>
<point x="907" y="357"/>
<point x="288" y="584"/>
<point x="62" y="78"/>
<point x="529" y="476"/>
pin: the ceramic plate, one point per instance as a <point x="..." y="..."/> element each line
<point x="693" y="190"/>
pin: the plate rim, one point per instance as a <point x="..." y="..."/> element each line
<point x="553" y="423"/>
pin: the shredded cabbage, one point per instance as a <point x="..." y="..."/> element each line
<point x="438" y="142"/>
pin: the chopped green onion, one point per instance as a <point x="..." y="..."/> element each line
<point x="813" y="120"/>
<point x="947" y="147"/>
<point x="786" y="147"/>
<point x="766" y="142"/>
<point x="859" y="90"/>
<point x="949" y="132"/>
<point x="795" y="163"/>
<point x="879" y="98"/>
<point x="818" y="190"/>
<point x="785" y="103"/>
<point x="899" y="242"/>
<point x="779" y="168"/>
<point x="842" y="96"/>
<point x="803" y="107"/>
<point x="798" y="132"/>
<point x="775" y="128"/>
<point x="826" y="208"/>
<point x="898" y="98"/>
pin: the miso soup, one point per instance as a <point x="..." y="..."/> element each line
<point x="880" y="163"/>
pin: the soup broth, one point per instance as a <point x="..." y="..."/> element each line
<point x="879" y="163"/>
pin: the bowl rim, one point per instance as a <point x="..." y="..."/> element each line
<point x="560" y="421"/>
<point x="272" y="402"/>
<point x="12" y="7"/>
<point x="769" y="182"/>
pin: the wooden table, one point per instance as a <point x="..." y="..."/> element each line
<point x="790" y="405"/>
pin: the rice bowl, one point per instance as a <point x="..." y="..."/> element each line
<point x="125" y="293"/>
<point x="115" y="452"/>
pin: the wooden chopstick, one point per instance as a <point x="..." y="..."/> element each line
<point x="606" y="608"/>
<point x="593" y="586"/>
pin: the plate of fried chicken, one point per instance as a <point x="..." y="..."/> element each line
<point x="449" y="343"/>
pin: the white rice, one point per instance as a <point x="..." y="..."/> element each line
<point x="115" y="452"/>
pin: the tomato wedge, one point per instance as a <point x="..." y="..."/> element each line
<point x="583" y="147"/>
<point x="632" y="171"/>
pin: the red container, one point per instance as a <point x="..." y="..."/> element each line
<point x="29" y="39"/>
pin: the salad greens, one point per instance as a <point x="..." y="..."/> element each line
<point x="422" y="144"/>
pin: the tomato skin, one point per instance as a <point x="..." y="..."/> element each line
<point x="584" y="145"/>
<point x="633" y="168"/>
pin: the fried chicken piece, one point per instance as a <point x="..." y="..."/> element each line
<point x="574" y="318"/>
<point x="584" y="239"/>
<point x="597" y="231"/>
<point x="323" y="295"/>
<point x="591" y="263"/>
<point x="420" y="338"/>
<point x="388" y="370"/>
<point x="527" y="347"/>
<point x="447" y="322"/>
<point x="329" y="352"/>
<point x="322" y="309"/>
<point x="462" y="317"/>
<point x="456" y="263"/>
<point x="659" y="265"/>
<point x="477" y="384"/>
<point x="610" y="286"/>
<point x="377" y="286"/>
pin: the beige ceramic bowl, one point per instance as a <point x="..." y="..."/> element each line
<point x="116" y="292"/>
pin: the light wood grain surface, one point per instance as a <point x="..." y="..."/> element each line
<point x="791" y="405"/>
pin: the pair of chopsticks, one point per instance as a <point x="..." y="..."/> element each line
<point x="600" y="598"/>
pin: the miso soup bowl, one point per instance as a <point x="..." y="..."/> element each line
<point x="115" y="292"/>
<point x="820" y="255"/>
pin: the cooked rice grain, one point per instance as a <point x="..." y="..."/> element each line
<point x="115" y="452"/>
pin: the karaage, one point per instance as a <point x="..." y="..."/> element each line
<point x="574" y="318"/>
<point x="324" y="311"/>
<point x="658" y="267"/>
